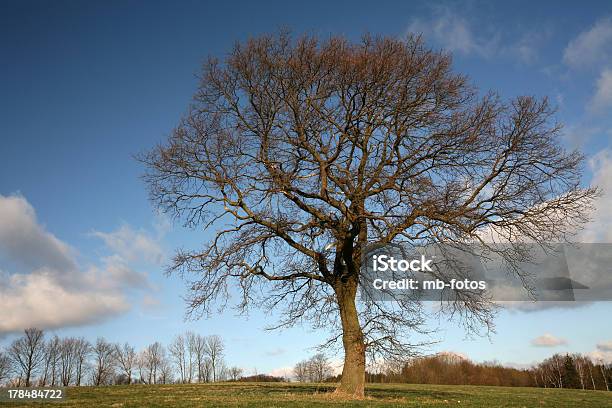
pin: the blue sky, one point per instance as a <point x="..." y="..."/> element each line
<point x="85" y="86"/>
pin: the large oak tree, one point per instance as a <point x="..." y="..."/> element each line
<point x="297" y="153"/>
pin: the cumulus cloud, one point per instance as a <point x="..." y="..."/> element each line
<point x="600" y="229"/>
<point x="24" y="241"/>
<point x="602" y="353"/>
<point x="580" y="134"/>
<point x="284" y="372"/>
<point x="591" y="47"/>
<point x="452" y="355"/>
<point x="454" y="33"/>
<point x="548" y="340"/>
<point x="457" y="34"/>
<point x="132" y="245"/>
<point x="50" y="289"/>
<point x="605" y="346"/>
<point x="603" y="93"/>
<point x="39" y="300"/>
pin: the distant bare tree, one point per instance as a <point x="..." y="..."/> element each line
<point x="553" y="370"/>
<point x="178" y="352"/>
<point x="69" y="359"/>
<point x="51" y="362"/>
<point x="582" y="367"/>
<point x="150" y="359"/>
<point x="164" y="368"/>
<point x="206" y="368"/>
<point x="6" y="368"/>
<point x="141" y="366"/>
<point x="193" y="343"/>
<point x="214" y="351"/>
<point x="300" y="371"/>
<point x="319" y="368"/>
<point x="235" y="373"/>
<point x="298" y="154"/>
<point x="126" y="360"/>
<point x="81" y="349"/>
<point x="197" y="345"/>
<point x="604" y="374"/>
<point x="104" y="362"/>
<point x="27" y="353"/>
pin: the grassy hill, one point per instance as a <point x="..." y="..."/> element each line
<point x="312" y="395"/>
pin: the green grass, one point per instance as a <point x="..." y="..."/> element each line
<point x="272" y="395"/>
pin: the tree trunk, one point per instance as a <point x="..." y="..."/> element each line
<point x="353" y="372"/>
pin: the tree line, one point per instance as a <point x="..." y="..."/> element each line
<point x="35" y="360"/>
<point x="559" y="371"/>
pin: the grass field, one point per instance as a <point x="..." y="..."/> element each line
<point x="271" y="395"/>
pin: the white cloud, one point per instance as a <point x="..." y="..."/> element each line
<point x="452" y="355"/>
<point x="603" y="93"/>
<point x="600" y="228"/>
<point x="591" y="47"/>
<point x="39" y="300"/>
<point x="50" y="289"/>
<point x="598" y="356"/>
<point x="519" y="366"/>
<point x="580" y="134"/>
<point x="117" y="271"/>
<point x="285" y="372"/>
<point x="548" y="340"/>
<point x="527" y="47"/>
<point x="605" y="346"/>
<point x="453" y="33"/>
<point x="457" y="34"/>
<point x="24" y="241"/>
<point x="132" y="245"/>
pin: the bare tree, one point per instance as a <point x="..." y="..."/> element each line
<point x="235" y="373"/>
<point x="27" y="353"/>
<point x="6" y="368"/>
<point x="206" y="368"/>
<point x="553" y="367"/>
<point x="69" y="359"/>
<point x="300" y="153"/>
<point x="150" y="360"/>
<point x="602" y="369"/>
<point x="214" y="351"/>
<point x="104" y="362"/>
<point x="50" y="362"/>
<point x="126" y="360"/>
<point x="178" y="351"/>
<point x="82" y="350"/>
<point x="197" y="345"/>
<point x="165" y="369"/>
<point x="300" y="371"/>
<point x="319" y="368"/>
<point x="141" y="365"/>
<point x="582" y="366"/>
<point x="193" y="343"/>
